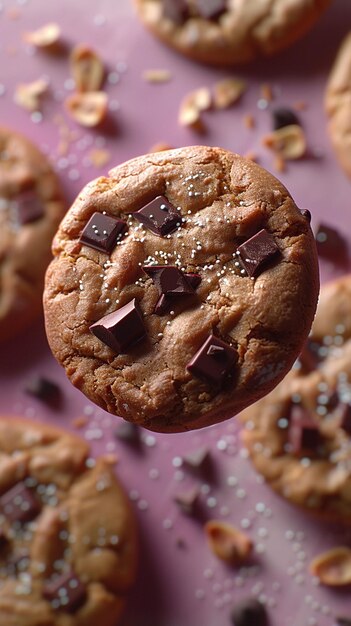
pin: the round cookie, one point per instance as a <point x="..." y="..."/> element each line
<point x="182" y="288"/>
<point x="224" y="32"/>
<point x="299" y="436"/>
<point x="67" y="534"/>
<point x="31" y="207"/>
<point x="338" y="105"/>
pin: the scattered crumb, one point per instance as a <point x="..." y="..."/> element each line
<point x="249" y="121"/>
<point x="157" y="76"/>
<point x="228" y="92"/>
<point x="279" y="163"/>
<point x="87" y="109"/>
<point x="266" y="92"/>
<point x="227" y="542"/>
<point x="192" y="106"/>
<point x="300" y="105"/>
<point x="66" y="135"/>
<point x="99" y="157"/>
<point x="251" y="155"/>
<point x="160" y="147"/>
<point x="333" y="568"/>
<point x="13" y="13"/>
<point x="29" y="95"/>
<point x="47" y="36"/>
<point x="87" y="69"/>
<point x="288" y="142"/>
<point x="79" y="422"/>
<point x="111" y="459"/>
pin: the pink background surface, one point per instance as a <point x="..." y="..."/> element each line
<point x="184" y="586"/>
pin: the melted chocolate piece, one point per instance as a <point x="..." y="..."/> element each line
<point x="122" y="329"/>
<point x="211" y="9"/>
<point x="66" y="593"/>
<point x="284" y="117"/>
<point x="29" y="207"/>
<point x="159" y="216"/>
<point x="257" y="251"/>
<point x="102" y="232"/>
<point x="176" y="10"/>
<point x="19" y="504"/>
<point x="304" y="434"/>
<point x="330" y="243"/>
<point x="171" y="283"/>
<point x="249" y="612"/>
<point x="214" y="361"/>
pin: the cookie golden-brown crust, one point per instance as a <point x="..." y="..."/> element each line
<point x="25" y="249"/>
<point x="338" y="105"/>
<point x="318" y="480"/>
<point x="85" y="525"/>
<point x="248" y="28"/>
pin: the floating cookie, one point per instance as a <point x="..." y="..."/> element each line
<point x="202" y="302"/>
<point x="31" y="207"/>
<point x="299" y="436"/>
<point x="67" y="533"/>
<point x="223" y="32"/>
<point x="338" y="105"/>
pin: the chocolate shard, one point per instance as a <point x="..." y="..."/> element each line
<point x="159" y="216"/>
<point x="306" y="214"/>
<point x="197" y="459"/>
<point x="257" y="251"/>
<point x="303" y="433"/>
<point x="284" y="117"/>
<point x="215" y="366"/>
<point x="171" y="283"/>
<point x="19" y="504"/>
<point x="66" y="593"/>
<point x="122" y="329"/>
<point x="211" y="9"/>
<point x="194" y="280"/>
<point x="330" y="243"/>
<point x="128" y="433"/>
<point x="249" y="612"/>
<point x="29" y="207"/>
<point x="309" y="358"/>
<point x="176" y="10"/>
<point x="345" y="417"/>
<point x="187" y="501"/>
<point x="43" y="389"/>
<point x="102" y="232"/>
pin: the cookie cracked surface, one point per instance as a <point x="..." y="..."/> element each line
<point x="299" y="436"/>
<point x="67" y="534"/>
<point x="238" y="31"/>
<point x="222" y="201"/>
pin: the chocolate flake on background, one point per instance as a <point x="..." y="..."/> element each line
<point x="211" y="9"/>
<point x="284" y="117"/>
<point x="213" y="365"/>
<point x="66" y="593"/>
<point x="303" y="434"/>
<point x="159" y="216"/>
<point x="197" y="459"/>
<point x="122" y="329"/>
<point x="43" y="389"/>
<point x="257" y="251"/>
<point x="176" y="10"/>
<point x="306" y="214"/>
<point x="343" y="621"/>
<point x="171" y="283"/>
<point x="18" y="504"/>
<point x="330" y="243"/>
<point x="309" y="357"/>
<point x="249" y="612"/>
<point x="128" y="433"/>
<point x="102" y="232"/>
<point x="29" y="207"/>
<point x="345" y="417"/>
<point x="187" y="501"/>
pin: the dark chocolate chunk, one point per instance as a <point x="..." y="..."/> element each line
<point x="29" y="207"/>
<point x="330" y="243"/>
<point x="197" y="459"/>
<point x="159" y="216"/>
<point x="306" y="214"/>
<point x="122" y="329"/>
<point x="66" y="593"/>
<point x="176" y="10"/>
<point x="43" y="389"/>
<point x="284" y="117"/>
<point x="194" y="280"/>
<point x="309" y="358"/>
<point x="187" y="501"/>
<point x="19" y="504"/>
<point x="304" y="434"/>
<point x="171" y="283"/>
<point x="3" y="539"/>
<point x="211" y="9"/>
<point x="256" y="251"/>
<point x="213" y="365"/>
<point x="345" y="417"/>
<point x="128" y="433"/>
<point x="249" y="612"/>
<point x="343" y="621"/>
<point x="102" y="232"/>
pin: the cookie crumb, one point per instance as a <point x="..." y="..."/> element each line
<point x="87" y="69"/>
<point x="99" y="157"/>
<point x="46" y="37"/>
<point x="227" y="542"/>
<point x="29" y="95"/>
<point x="157" y="76"/>
<point x="266" y="92"/>
<point x="79" y="422"/>
<point x="87" y="109"/>
<point x="249" y="121"/>
<point x="192" y="106"/>
<point x="160" y="147"/>
<point x="288" y="142"/>
<point x="227" y="92"/>
<point x="333" y="568"/>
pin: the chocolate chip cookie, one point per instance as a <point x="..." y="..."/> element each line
<point x="299" y="436"/>
<point x="182" y="289"/>
<point x="31" y="207"/>
<point x="224" y="32"/>
<point x="67" y="534"/>
<point x="338" y="105"/>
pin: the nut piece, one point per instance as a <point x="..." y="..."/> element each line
<point x="333" y="568"/>
<point x="227" y="542"/>
<point x="192" y="106"/>
<point x="28" y="95"/>
<point x="157" y="76"/>
<point x="289" y="142"/>
<point x="45" y="37"/>
<point x="87" y="69"/>
<point x="227" y="92"/>
<point x="87" y="109"/>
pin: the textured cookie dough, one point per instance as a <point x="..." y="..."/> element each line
<point x="338" y="105"/>
<point x="31" y="207"/>
<point x="81" y="522"/>
<point x="318" y="477"/>
<point x="222" y="200"/>
<point x="245" y="30"/>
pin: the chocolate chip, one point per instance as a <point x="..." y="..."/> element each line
<point x="187" y="501"/>
<point x="171" y="283"/>
<point x="102" y="232"/>
<point x="197" y="459"/>
<point x="330" y="243"/>
<point x="345" y="417"/>
<point x="213" y="365"/>
<point x="29" y="207"/>
<point x="128" y="433"/>
<point x="43" y="389"/>
<point x="284" y="117"/>
<point x="176" y="10"/>
<point x="159" y="216"/>
<point x="306" y="214"/>
<point x="122" y="329"/>
<point x="18" y="504"/>
<point x="304" y="434"/>
<point x="257" y="251"/>
<point x="249" y="612"/>
<point x="66" y="593"/>
<point x="194" y="280"/>
<point x="211" y="9"/>
<point x="343" y="621"/>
